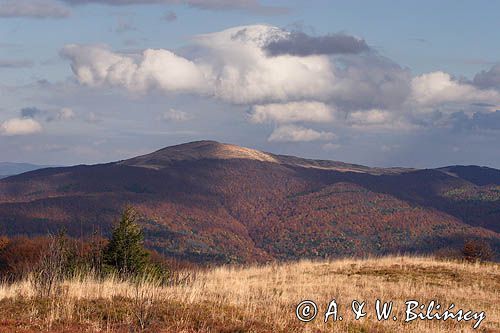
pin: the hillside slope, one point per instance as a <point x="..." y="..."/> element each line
<point x="206" y="201"/>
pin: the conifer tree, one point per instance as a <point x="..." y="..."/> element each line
<point x="125" y="252"/>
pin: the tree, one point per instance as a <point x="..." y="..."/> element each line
<point x="125" y="252"/>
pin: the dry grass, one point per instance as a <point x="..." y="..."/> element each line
<point x="260" y="299"/>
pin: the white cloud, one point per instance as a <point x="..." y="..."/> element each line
<point x="234" y="66"/>
<point x="96" y="65"/>
<point x="175" y="115"/>
<point x="243" y="72"/>
<point x="20" y="126"/>
<point x="437" y="88"/>
<point x="292" y="133"/>
<point x="371" y="117"/>
<point x="231" y="65"/>
<point x="292" y="112"/>
<point x="381" y="120"/>
<point x="33" y="9"/>
<point x="370" y="82"/>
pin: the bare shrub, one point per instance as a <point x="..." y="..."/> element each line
<point x="53" y="267"/>
<point x="476" y="250"/>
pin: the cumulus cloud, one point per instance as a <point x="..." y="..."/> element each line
<point x="371" y="117"/>
<point x="96" y="65"/>
<point x="376" y="119"/>
<point x="174" y="115"/>
<point x="253" y="6"/>
<point x="292" y="133"/>
<point x="232" y="67"/>
<point x="292" y="112"/>
<point x="437" y="88"/>
<point x="301" y="44"/>
<point x="290" y="87"/>
<point x="488" y="79"/>
<point x="20" y="126"/>
<point x="370" y="81"/>
<point x="32" y="8"/>
<point x="243" y="73"/>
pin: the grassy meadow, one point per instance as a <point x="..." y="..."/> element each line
<point x="258" y="298"/>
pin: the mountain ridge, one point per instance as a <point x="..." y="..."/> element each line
<point x="212" y="149"/>
<point x="209" y="149"/>
<point x="211" y="202"/>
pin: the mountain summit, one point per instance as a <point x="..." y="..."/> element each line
<point x="213" y="150"/>
<point x="197" y="151"/>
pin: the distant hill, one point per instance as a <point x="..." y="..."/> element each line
<point x="211" y="202"/>
<point x="478" y="175"/>
<point x="9" y="169"/>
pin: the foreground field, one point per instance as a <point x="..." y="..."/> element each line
<point x="261" y="299"/>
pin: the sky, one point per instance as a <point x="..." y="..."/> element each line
<point x="379" y="83"/>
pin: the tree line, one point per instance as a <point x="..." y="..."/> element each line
<point x="59" y="256"/>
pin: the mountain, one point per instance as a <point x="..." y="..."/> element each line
<point x="474" y="174"/>
<point x="211" y="202"/>
<point x="9" y="169"/>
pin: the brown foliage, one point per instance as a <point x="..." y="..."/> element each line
<point x="20" y="254"/>
<point x="476" y="250"/>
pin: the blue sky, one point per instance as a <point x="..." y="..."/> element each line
<point x="422" y="90"/>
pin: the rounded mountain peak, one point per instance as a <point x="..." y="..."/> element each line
<point x="197" y="150"/>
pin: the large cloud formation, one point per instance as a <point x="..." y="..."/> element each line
<point x="233" y="67"/>
<point x="299" y="81"/>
